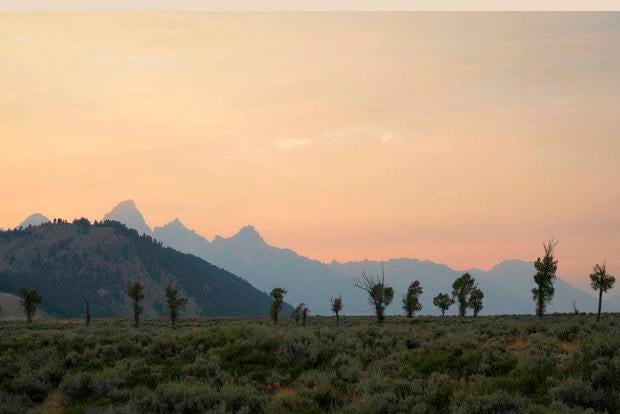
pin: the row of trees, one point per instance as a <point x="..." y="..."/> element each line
<point x="546" y="267"/>
<point x="174" y="302"/>
<point x="465" y="292"/>
<point x="380" y="296"/>
<point x="31" y="298"/>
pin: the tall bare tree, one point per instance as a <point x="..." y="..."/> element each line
<point x="601" y="281"/>
<point x="175" y="303"/>
<point x="544" y="277"/>
<point x="135" y="291"/>
<point x="379" y="295"/>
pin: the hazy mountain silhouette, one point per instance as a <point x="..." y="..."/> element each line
<point x="176" y="234"/>
<point x="248" y="255"/>
<point x="35" y="219"/>
<point x="69" y="262"/>
<point x="507" y="286"/>
<point x="127" y="213"/>
<point x="435" y="278"/>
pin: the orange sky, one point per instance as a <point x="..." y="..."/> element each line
<point x="460" y="138"/>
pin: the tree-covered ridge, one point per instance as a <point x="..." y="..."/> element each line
<point x="70" y="262"/>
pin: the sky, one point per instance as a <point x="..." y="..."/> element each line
<point x="461" y="138"/>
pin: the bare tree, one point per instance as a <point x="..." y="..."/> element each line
<point x="379" y="295"/>
<point x="602" y="281"/>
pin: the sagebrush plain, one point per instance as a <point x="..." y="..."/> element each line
<point x="502" y="364"/>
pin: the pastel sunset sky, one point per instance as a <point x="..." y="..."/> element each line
<point x="459" y="138"/>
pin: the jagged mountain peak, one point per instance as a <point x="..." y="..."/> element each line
<point x="128" y="202"/>
<point x="175" y="224"/>
<point x="249" y="233"/>
<point x="127" y="212"/>
<point x="246" y="237"/>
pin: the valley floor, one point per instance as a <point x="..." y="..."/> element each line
<point x="510" y="364"/>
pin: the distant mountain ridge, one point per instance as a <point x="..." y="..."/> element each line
<point x="507" y="286"/>
<point x="70" y="262"/>
<point x="35" y="219"/>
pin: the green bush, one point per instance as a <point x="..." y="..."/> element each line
<point x="496" y="402"/>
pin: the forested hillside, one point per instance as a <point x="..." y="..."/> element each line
<point x="69" y="263"/>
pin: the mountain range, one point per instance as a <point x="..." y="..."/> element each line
<point x="69" y="263"/>
<point x="507" y="286"/>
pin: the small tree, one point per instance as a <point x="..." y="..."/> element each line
<point x="136" y="292"/>
<point x="87" y="312"/>
<point x="278" y="300"/>
<point x="602" y="281"/>
<point x="379" y="295"/>
<point x="30" y="298"/>
<point x="411" y="301"/>
<point x="461" y="290"/>
<point x="298" y="313"/>
<point x="337" y="307"/>
<point x="175" y="303"/>
<point x="443" y="301"/>
<point x="304" y="316"/>
<point x="475" y="300"/>
<point x="544" y="277"/>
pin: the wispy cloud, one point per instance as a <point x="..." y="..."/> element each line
<point x="339" y="137"/>
<point x="357" y="134"/>
<point x="289" y="143"/>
